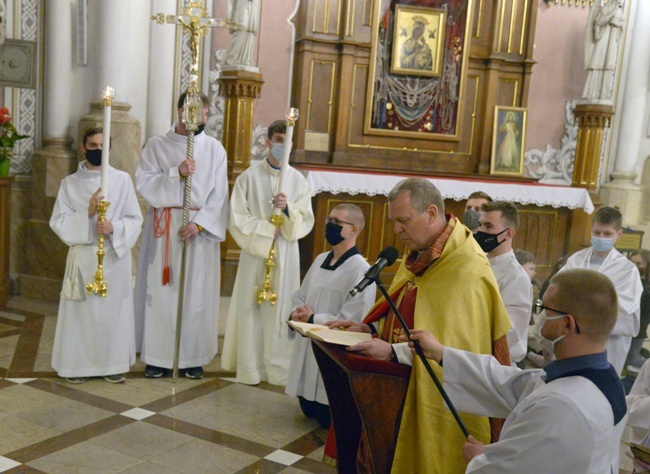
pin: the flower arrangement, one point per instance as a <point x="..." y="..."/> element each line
<point x="8" y="137"/>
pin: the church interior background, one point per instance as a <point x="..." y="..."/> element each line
<point x="366" y="119"/>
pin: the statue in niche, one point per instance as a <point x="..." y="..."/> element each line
<point x="602" y="41"/>
<point x="246" y="13"/>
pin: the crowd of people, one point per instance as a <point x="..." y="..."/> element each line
<point x="469" y="296"/>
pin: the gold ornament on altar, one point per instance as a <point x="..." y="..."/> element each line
<point x="267" y="293"/>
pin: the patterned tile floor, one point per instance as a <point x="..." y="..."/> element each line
<point x="142" y="426"/>
<point x="211" y="425"/>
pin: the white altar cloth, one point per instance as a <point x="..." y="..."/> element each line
<point x="372" y="184"/>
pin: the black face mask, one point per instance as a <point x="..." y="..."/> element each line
<point x="471" y="219"/>
<point x="333" y="233"/>
<point x="201" y="128"/>
<point x="94" y="157"/>
<point x="488" y="242"/>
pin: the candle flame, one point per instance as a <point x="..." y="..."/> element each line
<point x="108" y="92"/>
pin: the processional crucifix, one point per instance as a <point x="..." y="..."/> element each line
<point x="194" y="19"/>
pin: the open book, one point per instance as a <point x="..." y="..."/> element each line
<point x="325" y="334"/>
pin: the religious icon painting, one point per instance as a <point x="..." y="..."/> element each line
<point x="418" y="69"/>
<point x="418" y="41"/>
<point x="508" y="141"/>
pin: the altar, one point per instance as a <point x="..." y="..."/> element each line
<point x="546" y="212"/>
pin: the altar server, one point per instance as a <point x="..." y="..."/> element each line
<point x="94" y="334"/>
<point x="568" y="417"/>
<point x="159" y="179"/>
<point x="256" y="343"/>
<point x="606" y="229"/>
<point x="638" y="404"/>
<point x="325" y="296"/>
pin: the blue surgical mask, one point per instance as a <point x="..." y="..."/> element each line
<point x="277" y="151"/>
<point x="602" y="244"/>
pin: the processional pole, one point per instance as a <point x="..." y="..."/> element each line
<point x="195" y="22"/>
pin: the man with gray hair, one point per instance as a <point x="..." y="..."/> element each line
<point x="444" y="285"/>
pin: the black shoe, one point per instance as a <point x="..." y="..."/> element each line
<point x="194" y="373"/>
<point x="153" y="372"/>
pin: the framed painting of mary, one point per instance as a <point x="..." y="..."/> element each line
<point x="418" y="41"/>
<point x="508" y="141"/>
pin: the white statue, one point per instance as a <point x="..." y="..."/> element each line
<point x="602" y="41"/>
<point x="246" y="13"/>
<point x="3" y="22"/>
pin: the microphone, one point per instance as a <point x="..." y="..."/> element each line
<point x="386" y="258"/>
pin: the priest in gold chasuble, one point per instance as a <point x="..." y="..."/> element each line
<point x="446" y="286"/>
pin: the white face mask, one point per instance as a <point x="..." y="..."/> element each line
<point x="540" y="320"/>
<point x="277" y="151"/>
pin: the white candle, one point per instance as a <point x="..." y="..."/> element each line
<point x="108" y="94"/>
<point x="292" y="116"/>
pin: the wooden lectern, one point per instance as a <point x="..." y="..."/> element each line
<point x="362" y="393"/>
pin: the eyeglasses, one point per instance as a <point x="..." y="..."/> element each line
<point x="335" y="221"/>
<point x="539" y="307"/>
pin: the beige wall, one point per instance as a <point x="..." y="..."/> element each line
<point x="558" y="75"/>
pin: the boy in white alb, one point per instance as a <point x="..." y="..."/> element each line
<point x="95" y="335"/>
<point x="606" y="229"/>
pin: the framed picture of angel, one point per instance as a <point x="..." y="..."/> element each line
<point x="508" y="140"/>
<point x="418" y="41"/>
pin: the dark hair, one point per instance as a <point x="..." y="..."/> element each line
<point x="508" y="211"/>
<point x="479" y="195"/>
<point x="609" y="216"/>
<point x="92" y="131"/>
<point x="279" y="126"/>
<point x="204" y="99"/>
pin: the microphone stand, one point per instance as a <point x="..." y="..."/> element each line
<point x="424" y="360"/>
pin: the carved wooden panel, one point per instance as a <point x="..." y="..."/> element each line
<point x="542" y="230"/>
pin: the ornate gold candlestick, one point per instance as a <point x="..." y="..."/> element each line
<point x="98" y="285"/>
<point x="267" y="293"/>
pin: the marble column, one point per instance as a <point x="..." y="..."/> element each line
<point x="162" y="47"/>
<point x="45" y="253"/>
<point x="622" y="191"/>
<point x="240" y="88"/>
<point x="115" y="52"/>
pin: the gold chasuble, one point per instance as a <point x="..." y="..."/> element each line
<point x="456" y="298"/>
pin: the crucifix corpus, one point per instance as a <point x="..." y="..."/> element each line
<point x="194" y="20"/>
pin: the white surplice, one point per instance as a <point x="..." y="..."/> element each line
<point x="629" y="288"/>
<point x="327" y="292"/>
<point x="517" y="294"/>
<point x="566" y="425"/>
<point x="95" y="335"/>
<point x="160" y="184"/>
<point x="256" y="343"/>
<point x="638" y="405"/>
